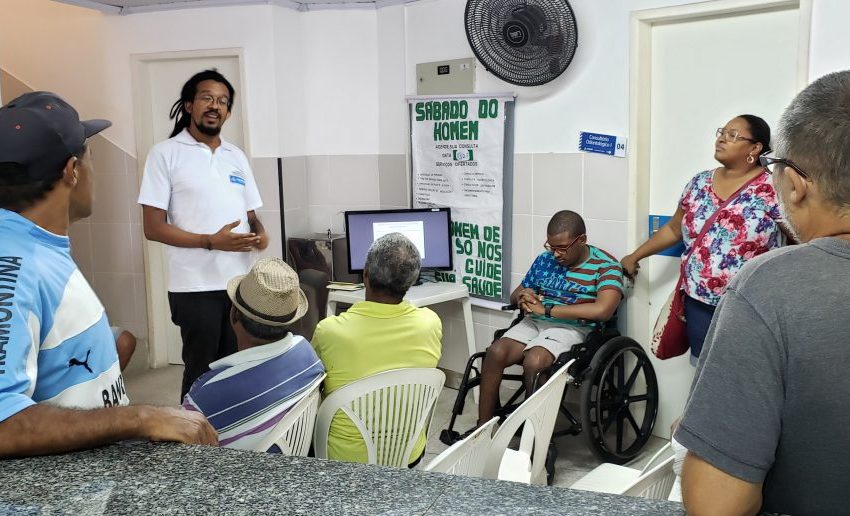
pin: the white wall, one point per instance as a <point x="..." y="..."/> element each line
<point x="290" y="95"/>
<point x="85" y="56"/>
<point x="392" y="107"/>
<point x="299" y="63"/>
<point x="340" y="56"/>
<point x="830" y="38"/>
<point x="592" y="94"/>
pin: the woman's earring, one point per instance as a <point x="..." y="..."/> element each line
<point x="751" y="159"/>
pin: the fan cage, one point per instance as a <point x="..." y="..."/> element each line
<point x="531" y="64"/>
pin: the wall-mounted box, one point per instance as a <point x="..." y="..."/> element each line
<point x="454" y="77"/>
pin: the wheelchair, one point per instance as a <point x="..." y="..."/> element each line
<point x="618" y="394"/>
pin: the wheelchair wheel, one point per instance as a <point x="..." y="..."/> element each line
<point x="619" y="401"/>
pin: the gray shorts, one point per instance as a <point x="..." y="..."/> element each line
<point x="553" y="337"/>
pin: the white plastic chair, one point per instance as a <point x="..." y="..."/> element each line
<point x="390" y="409"/>
<point x="537" y="416"/>
<point x="294" y="432"/>
<point x="654" y="481"/>
<point x="466" y="457"/>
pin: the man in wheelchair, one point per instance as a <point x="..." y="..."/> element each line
<point x="570" y="287"/>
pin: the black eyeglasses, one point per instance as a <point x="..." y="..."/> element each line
<point x="562" y="250"/>
<point x="774" y="164"/>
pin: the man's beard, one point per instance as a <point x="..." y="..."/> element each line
<point x="207" y="130"/>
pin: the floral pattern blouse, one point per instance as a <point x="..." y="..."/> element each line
<point x="747" y="227"/>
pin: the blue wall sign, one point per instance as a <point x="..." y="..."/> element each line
<point x="655" y="223"/>
<point x="602" y="144"/>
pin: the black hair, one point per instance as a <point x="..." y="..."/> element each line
<point x="566" y="221"/>
<point x="760" y="130"/>
<point x="16" y="196"/>
<point x="262" y="331"/>
<point x="187" y="94"/>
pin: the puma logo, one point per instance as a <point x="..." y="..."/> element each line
<point x="84" y="363"/>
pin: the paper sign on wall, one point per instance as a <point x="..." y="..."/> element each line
<point x="457" y="161"/>
<point x="603" y="144"/>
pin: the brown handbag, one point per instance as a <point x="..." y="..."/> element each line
<point x="670" y="335"/>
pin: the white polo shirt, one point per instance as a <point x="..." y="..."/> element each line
<point x="202" y="191"/>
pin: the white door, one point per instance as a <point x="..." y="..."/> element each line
<point x="704" y="72"/>
<point x="158" y="82"/>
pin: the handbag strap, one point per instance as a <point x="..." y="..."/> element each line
<point x="710" y="222"/>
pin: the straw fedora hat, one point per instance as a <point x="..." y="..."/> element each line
<point x="269" y="294"/>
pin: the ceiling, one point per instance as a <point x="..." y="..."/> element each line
<point x="138" y="6"/>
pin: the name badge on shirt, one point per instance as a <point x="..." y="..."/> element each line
<point x="237" y="180"/>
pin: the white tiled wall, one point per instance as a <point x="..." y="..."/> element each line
<point x="108" y="245"/>
<point x="335" y="184"/>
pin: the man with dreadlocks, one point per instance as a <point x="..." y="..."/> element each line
<point x="198" y="197"/>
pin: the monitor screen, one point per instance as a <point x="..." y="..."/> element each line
<point x="428" y="228"/>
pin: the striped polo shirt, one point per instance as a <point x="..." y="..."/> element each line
<point x="55" y="343"/>
<point x="245" y="394"/>
<point x="561" y="285"/>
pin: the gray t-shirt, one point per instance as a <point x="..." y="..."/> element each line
<point x="771" y="398"/>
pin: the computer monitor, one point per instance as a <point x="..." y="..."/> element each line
<point x="428" y="228"/>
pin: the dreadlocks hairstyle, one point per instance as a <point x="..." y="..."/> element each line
<point x="187" y="94"/>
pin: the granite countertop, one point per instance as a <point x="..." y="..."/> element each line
<point x="147" y="478"/>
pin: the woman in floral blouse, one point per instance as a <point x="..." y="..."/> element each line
<point x="749" y="226"/>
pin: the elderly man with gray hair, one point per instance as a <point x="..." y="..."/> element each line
<point x="381" y="333"/>
<point x="766" y="422"/>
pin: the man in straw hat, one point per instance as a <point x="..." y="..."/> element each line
<point x="60" y="380"/>
<point x="245" y="394"/>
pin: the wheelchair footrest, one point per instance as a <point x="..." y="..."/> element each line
<point x="449" y="437"/>
<point x="571" y="430"/>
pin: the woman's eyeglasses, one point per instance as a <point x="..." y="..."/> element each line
<point x="731" y="136"/>
<point x="774" y="164"/>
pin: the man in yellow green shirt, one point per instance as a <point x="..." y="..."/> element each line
<point x="381" y="333"/>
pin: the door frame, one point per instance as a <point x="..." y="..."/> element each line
<point x="640" y="89"/>
<point x="156" y="283"/>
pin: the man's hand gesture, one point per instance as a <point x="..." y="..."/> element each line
<point x="226" y="240"/>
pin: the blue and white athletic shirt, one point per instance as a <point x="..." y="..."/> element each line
<point x="244" y="395"/>
<point x="55" y="343"/>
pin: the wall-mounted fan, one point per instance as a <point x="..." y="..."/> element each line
<point x="523" y="42"/>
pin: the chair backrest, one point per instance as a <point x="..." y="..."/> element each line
<point x="466" y="457"/>
<point x="294" y="432"/>
<point x="390" y="409"/>
<point x="660" y="456"/>
<point x="655" y="483"/>
<point x="537" y="414"/>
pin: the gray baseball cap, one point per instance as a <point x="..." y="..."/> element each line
<point x="39" y="132"/>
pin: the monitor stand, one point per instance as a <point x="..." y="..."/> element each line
<point x="427" y="276"/>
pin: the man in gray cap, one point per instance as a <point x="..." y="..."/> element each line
<point x="247" y="393"/>
<point x="61" y="387"/>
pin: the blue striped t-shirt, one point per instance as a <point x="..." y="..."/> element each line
<point x="55" y="343"/>
<point x="245" y="394"/>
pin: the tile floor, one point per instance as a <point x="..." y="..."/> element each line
<point x="162" y="387"/>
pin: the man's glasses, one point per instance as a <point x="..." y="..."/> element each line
<point x="560" y="249"/>
<point x="209" y="99"/>
<point x="774" y="164"/>
<point x="731" y="136"/>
